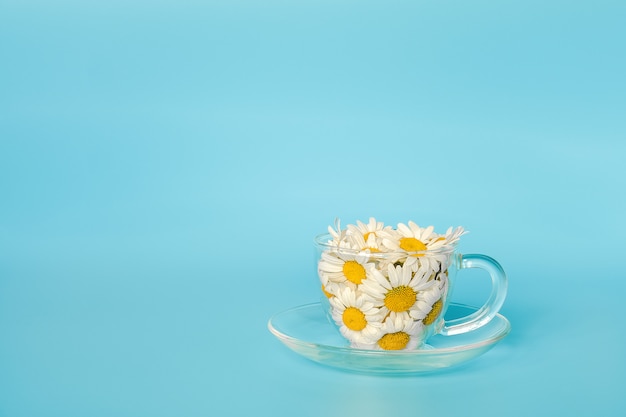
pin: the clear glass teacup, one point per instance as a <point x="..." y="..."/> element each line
<point x="396" y="299"/>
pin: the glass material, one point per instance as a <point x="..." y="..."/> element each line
<point x="448" y="261"/>
<point x="307" y="331"/>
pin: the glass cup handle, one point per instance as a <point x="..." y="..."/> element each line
<point x="493" y="303"/>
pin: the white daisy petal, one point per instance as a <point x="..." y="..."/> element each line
<point x="358" y="320"/>
<point x="399" y="334"/>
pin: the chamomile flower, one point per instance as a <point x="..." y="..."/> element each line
<point x="358" y="320"/>
<point x="329" y="289"/>
<point x="430" y="303"/>
<point x="371" y="245"/>
<point x="417" y="241"/>
<point x="414" y="238"/>
<point x="343" y="267"/>
<point x="452" y="235"/>
<point x="398" y="292"/>
<point x="338" y="235"/>
<point x="397" y="333"/>
<point x="447" y="242"/>
<point x="371" y="229"/>
<point x="372" y="249"/>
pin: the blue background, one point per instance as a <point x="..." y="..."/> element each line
<point x="165" y="165"/>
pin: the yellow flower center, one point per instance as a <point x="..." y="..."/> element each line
<point x="394" y="341"/>
<point x="400" y="298"/>
<point x="410" y="244"/>
<point x="326" y="293"/>
<point x="354" y="272"/>
<point x="372" y="250"/>
<point x="434" y="313"/>
<point x="354" y="319"/>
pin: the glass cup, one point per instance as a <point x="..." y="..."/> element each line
<point x="396" y="300"/>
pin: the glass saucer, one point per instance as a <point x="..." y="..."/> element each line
<point x="307" y="331"/>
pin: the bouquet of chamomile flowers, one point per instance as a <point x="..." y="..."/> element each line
<point x="386" y="287"/>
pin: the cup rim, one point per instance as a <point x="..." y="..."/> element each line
<point x="321" y="242"/>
